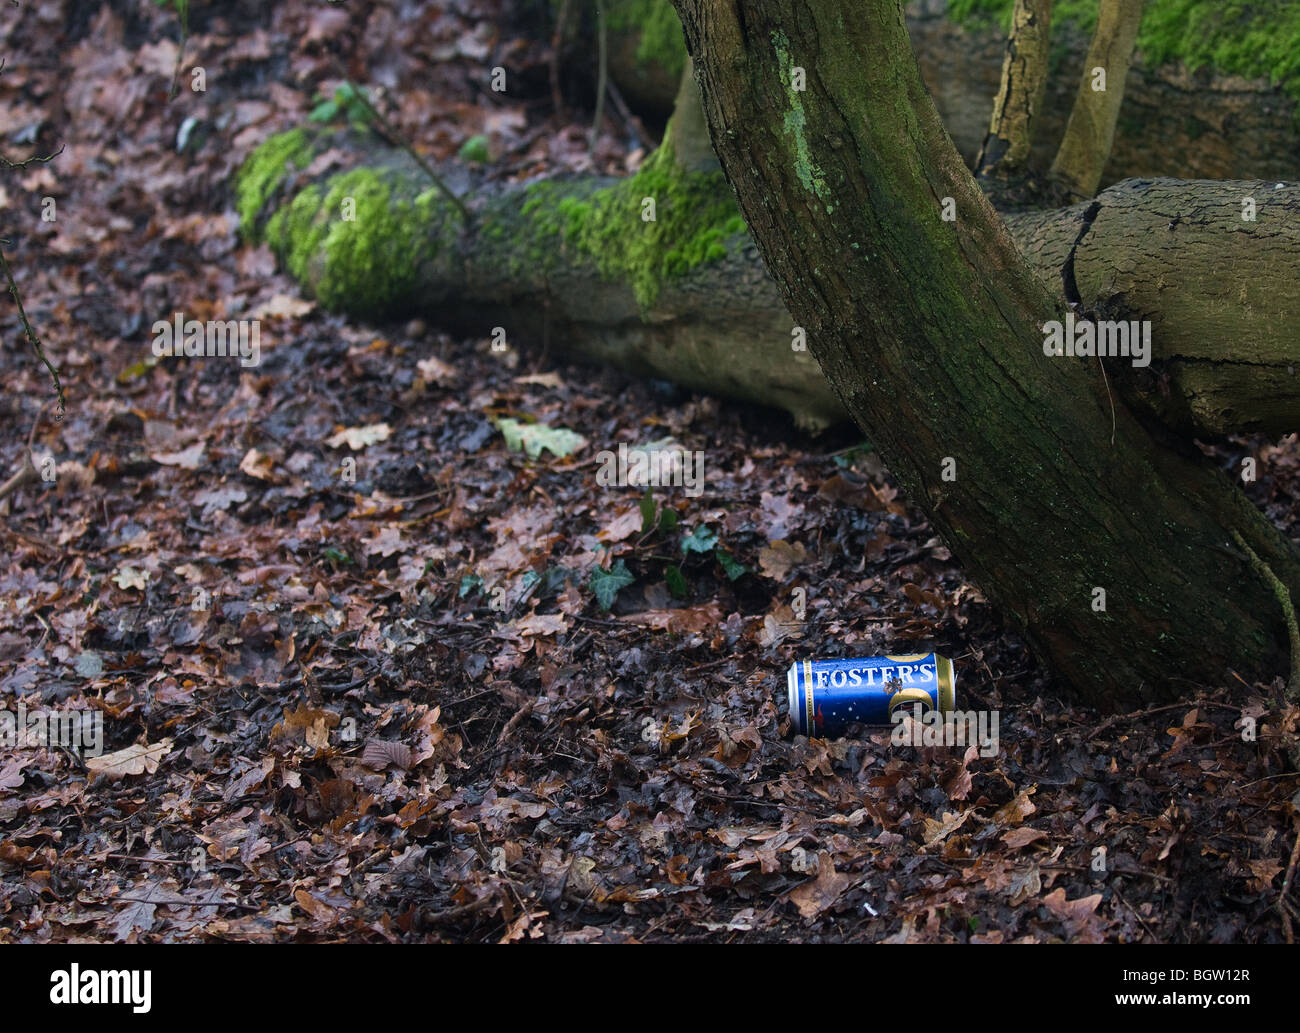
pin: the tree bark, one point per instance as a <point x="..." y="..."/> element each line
<point x="930" y="332"/>
<point x="1090" y="133"/>
<point x="1212" y="265"/>
<point x="1020" y="96"/>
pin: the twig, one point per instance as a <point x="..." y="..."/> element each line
<point x="402" y="142"/>
<point x="629" y="119"/>
<point x="1286" y="885"/>
<point x="182" y="9"/>
<point x="1153" y="936"/>
<point x="1288" y="611"/>
<point x="451" y="914"/>
<point x="1105" y="380"/>
<point x="34" y="159"/>
<point x="602" y="77"/>
<point x="163" y="902"/>
<point x="27" y="326"/>
<point x="515" y="721"/>
<point x="27" y="473"/>
<point x="557" y="44"/>
<point x="1138" y="714"/>
<point x="148" y="860"/>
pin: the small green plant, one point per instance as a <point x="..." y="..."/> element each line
<point x="475" y="149"/>
<point x="654" y="517"/>
<point x="608" y="583"/>
<point x="849" y="456"/>
<point x="337" y="557"/>
<point x="346" y="102"/>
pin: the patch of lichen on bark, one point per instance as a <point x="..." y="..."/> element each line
<point x="794" y="122"/>
<point x="695" y="218"/>
<point x="1231" y="37"/>
<point x="371" y="261"/>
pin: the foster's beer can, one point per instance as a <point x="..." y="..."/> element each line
<point x="827" y="695"/>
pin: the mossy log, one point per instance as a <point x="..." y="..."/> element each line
<point x="657" y="274"/>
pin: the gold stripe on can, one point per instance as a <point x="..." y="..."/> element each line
<point x="947" y="683"/>
<point x="808" y="695"/>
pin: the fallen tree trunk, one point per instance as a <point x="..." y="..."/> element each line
<point x="572" y="263"/>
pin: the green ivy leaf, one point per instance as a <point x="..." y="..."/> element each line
<point x="699" y="540"/>
<point x="532" y="438"/>
<point x="469" y="583"/>
<point x="667" y="519"/>
<point x="647" y="513"/>
<point x="676" y="581"/>
<point x="732" y="567"/>
<point x="325" y="111"/>
<point x="553" y="580"/>
<point x="607" y="583"/>
<point x="851" y="455"/>
<point x="475" y="149"/>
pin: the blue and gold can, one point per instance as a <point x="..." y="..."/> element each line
<point x="828" y="695"/>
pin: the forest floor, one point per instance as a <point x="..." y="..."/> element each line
<point x="469" y="694"/>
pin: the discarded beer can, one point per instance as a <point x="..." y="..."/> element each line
<point x="827" y="695"/>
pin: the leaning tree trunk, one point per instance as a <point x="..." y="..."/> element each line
<point x="1120" y="556"/>
<point x="1089" y="134"/>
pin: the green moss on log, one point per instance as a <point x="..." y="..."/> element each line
<point x="264" y="171"/>
<point x="371" y="262"/>
<point x="695" y="215"/>
<point x="661" y="42"/>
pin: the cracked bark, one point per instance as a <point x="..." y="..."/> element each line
<point x="1020" y="96"/>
